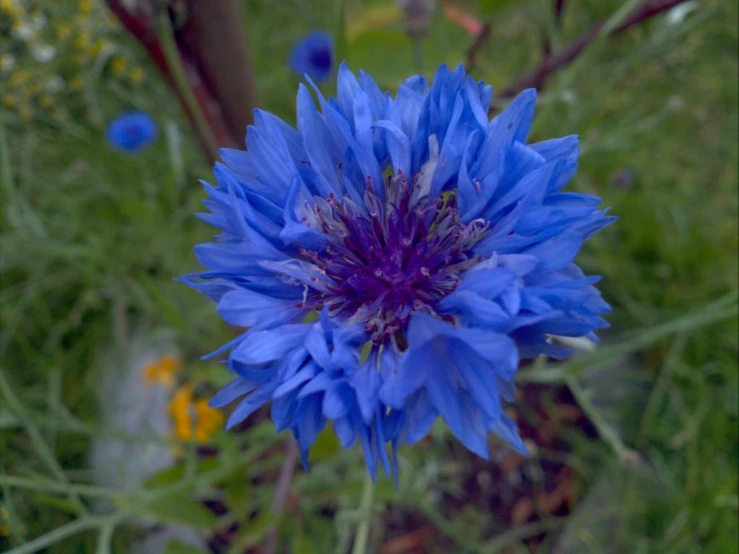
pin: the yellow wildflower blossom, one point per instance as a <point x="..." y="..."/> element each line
<point x="162" y="371"/>
<point x="210" y="420"/>
<point x="18" y="79"/>
<point x="193" y="419"/>
<point x="77" y="83"/>
<point x="12" y="8"/>
<point x="64" y="30"/>
<point x="137" y="75"/>
<point x="119" y="65"/>
<point x="86" y="6"/>
<point x="82" y="42"/>
<point x="101" y="45"/>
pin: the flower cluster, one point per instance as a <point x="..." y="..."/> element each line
<point x="192" y="419"/>
<point x="47" y="49"/>
<point x="394" y="258"/>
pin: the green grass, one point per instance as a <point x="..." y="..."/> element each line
<point x="91" y="240"/>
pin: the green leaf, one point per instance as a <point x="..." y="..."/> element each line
<point x="325" y="447"/>
<point x="177" y="547"/>
<point x="56" y="502"/>
<point x="174" y="474"/>
<point x="488" y="8"/>
<point x="180" y="508"/>
<point x="303" y="545"/>
<point x="254" y="531"/>
<point x="374" y="18"/>
<point x="237" y="488"/>
<point x="8" y="420"/>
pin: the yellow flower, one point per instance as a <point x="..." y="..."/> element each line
<point x="193" y="419"/>
<point x="83" y="40"/>
<point x="46" y="101"/>
<point x="11" y="7"/>
<point x="64" y="30"/>
<point x="119" y="64"/>
<point x="210" y="420"/>
<point x="100" y="46"/>
<point x="162" y="371"/>
<point x="18" y="79"/>
<point x="137" y="75"/>
<point x="179" y="411"/>
<point x="86" y="6"/>
<point x="9" y="101"/>
<point x="77" y="83"/>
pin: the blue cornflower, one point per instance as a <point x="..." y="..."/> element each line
<point x="314" y="56"/>
<point x="132" y="131"/>
<point x="394" y="258"/>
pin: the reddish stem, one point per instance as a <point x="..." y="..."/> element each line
<point x="538" y="76"/>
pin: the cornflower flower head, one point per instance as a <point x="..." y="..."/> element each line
<point x="313" y="56"/>
<point x="132" y="131"/>
<point x="394" y="258"/>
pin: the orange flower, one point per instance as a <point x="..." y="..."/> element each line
<point x="193" y="419"/>
<point x="162" y="371"/>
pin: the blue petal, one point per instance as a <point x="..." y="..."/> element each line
<point x="421" y="414"/>
<point x="250" y="404"/>
<point x="244" y="308"/>
<point x="259" y="347"/>
<point x="506" y="428"/>
<point x="338" y="400"/>
<point x="514" y="122"/>
<point x="235" y="389"/>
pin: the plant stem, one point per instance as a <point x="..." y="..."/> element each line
<point x="181" y="82"/>
<point x="37" y="439"/>
<point x="365" y="512"/>
<point x="283" y="491"/>
<point x="58" y="534"/>
<point x="59" y="487"/>
<point x="628" y="16"/>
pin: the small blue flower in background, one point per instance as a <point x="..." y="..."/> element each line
<point x="394" y="258"/>
<point x="623" y="178"/>
<point x="132" y="131"/>
<point x="314" y="56"/>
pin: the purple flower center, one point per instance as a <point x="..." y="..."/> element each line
<point x="132" y="132"/>
<point x="392" y="259"/>
<point x="320" y="59"/>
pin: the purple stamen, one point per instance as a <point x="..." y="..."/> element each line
<point x="396" y="259"/>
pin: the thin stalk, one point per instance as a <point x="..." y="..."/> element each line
<point x="58" y="534"/>
<point x="58" y="487"/>
<point x="284" y="485"/>
<point x="179" y="77"/>
<point x="365" y="512"/>
<point x="37" y="439"/>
